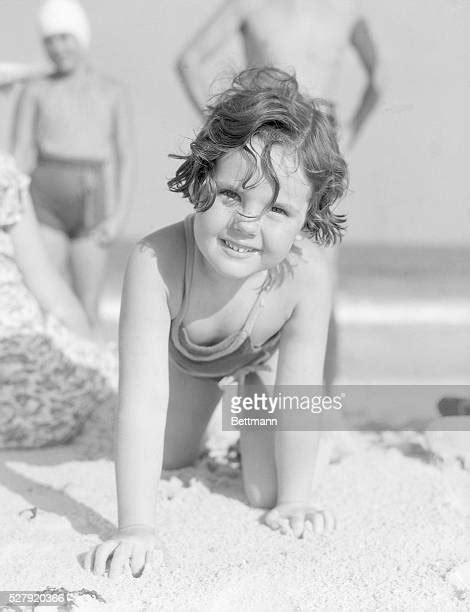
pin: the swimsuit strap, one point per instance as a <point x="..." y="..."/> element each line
<point x="254" y="312"/>
<point x="188" y="265"/>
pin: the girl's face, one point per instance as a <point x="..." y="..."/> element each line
<point x="64" y="51"/>
<point x="242" y="234"/>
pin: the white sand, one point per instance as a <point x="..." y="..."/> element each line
<point x="402" y="530"/>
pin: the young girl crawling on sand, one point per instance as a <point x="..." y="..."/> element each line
<point x="241" y="289"/>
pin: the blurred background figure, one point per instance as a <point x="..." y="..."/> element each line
<point x="72" y="133"/>
<point x="52" y="375"/>
<point x="307" y="36"/>
<point x="403" y="293"/>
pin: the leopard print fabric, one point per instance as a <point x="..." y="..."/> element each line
<point x="50" y="380"/>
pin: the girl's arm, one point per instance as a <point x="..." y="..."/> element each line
<point x="195" y="59"/>
<point x="301" y="359"/>
<point x="39" y="274"/>
<point x="140" y="425"/>
<point x="143" y="389"/>
<point x="23" y="145"/>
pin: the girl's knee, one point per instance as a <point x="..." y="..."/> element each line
<point x="261" y="497"/>
<point x="176" y="459"/>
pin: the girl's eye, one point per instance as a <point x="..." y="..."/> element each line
<point x="230" y="195"/>
<point x="279" y="211"/>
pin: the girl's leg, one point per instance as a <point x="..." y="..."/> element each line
<point x="191" y="404"/>
<point x="331" y="356"/>
<point x="257" y="447"/>
<point x="57" y="247"/>
<point x="88" y="264"/>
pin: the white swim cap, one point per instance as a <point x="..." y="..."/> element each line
<point x="64" y="17"/>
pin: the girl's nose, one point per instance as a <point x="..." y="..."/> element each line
<point x="245" y="225"/>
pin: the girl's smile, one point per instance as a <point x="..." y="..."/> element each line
<point x="244" y="232"/>
<point x="239" y="249"/>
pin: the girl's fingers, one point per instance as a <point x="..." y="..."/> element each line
<point x="308" y="528"/>
<point x="276" y="521"/>
<point x="273" y="519"/>
<point x="297" y="524"/>
<point x="301" y="524"/>
<point x="317" y="521"/>
<point x="120" y="559"/>
<point x="138" y="560"/>
<point x="284" y="526"/>
<point x="102" y="553"/>
<point x="330" y="521"/>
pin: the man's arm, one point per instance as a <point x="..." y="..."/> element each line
<point x="124" y="144"/>
<point x="192" y="63"/>
<point x="23" y="135"/>
<point x="124" y="149"/>
<point x="362" y="41"/>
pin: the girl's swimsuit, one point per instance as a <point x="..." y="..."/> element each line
<point x="230" y="359"/>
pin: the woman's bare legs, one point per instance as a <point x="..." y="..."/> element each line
<point x="57" y="247"/>
<point x="88" y="263"/>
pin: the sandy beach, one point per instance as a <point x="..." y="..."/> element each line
<point x="402" y="529"/>
<point x="402" y="511"/>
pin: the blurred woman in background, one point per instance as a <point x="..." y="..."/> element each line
<point x="72" y="133"/>
<point x="51" y="373"/>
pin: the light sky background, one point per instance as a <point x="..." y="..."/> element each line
<point x="409" y="170"/>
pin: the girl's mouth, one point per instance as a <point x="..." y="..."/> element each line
<point x="237" y="248"/>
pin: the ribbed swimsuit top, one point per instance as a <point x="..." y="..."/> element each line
<point x="235" y="354"/>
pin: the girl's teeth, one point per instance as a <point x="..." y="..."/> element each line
<point x="237" y="248"/>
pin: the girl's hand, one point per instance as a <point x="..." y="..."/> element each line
<point x="131" y="546"/>
<point x="299" y="519"/>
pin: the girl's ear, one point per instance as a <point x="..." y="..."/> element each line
<point x="299" y="237"/>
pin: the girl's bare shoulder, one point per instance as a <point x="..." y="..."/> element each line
<point x="310" y="264"/>
<point x="167" y="243"/>
<point x="166" y="250"/>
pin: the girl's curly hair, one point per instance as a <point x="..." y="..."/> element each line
<point x="266" y="103"/>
